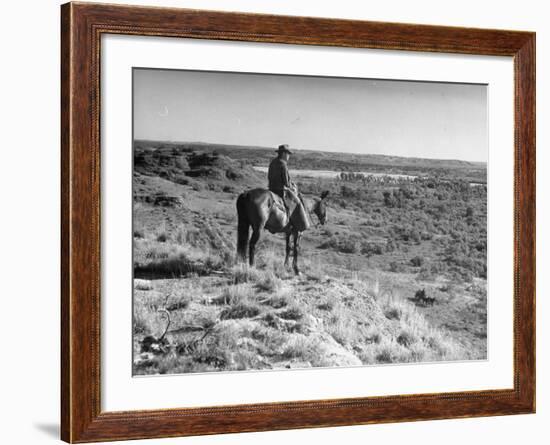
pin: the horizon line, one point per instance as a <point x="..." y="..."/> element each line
<point x="308" y="149"/>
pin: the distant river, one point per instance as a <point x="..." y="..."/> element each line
<point x="331" y="174"/>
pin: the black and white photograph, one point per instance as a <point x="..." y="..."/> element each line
<point x="293" y="222"/>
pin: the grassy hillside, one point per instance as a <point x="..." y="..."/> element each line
<point x="357" y="302"/>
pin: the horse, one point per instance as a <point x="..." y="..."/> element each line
<point x="262" y="209"/>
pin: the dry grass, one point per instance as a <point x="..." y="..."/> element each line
<point x="254" y="322"/>
<point x="277" y="301"/>
<point x="143" y="284"/>
<point x="292" y="313"/>
<point x="154" y="258"/>
<point x="243" y="273"/>
<point x="227" y="316"/>
<point x="299" y="346"/>
<point x="240" y="310"/>
<point x="269" y="283"/>
<point x="233" y="295"/>
<point x="344" y="331"/>
<point x="411" y="338"/>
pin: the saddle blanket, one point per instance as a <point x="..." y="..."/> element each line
<point x="297" y="215"/>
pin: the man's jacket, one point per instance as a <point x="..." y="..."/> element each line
<point x="278" y="177"/>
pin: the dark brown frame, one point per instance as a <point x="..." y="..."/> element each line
<point x="82" y="25"/>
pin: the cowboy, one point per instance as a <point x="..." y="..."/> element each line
<point x="279" y="183"/>
<point x="277" y="174"/>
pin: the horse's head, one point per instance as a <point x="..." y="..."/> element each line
<point x="320" y="208"/>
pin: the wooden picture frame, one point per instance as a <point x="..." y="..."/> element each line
<point x="82" y="25"/>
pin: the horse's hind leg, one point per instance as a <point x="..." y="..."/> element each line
<point x="242" y="240"/>
<point x="252" y="244"/>
<point x="243" y="227"/>
<point x="288" y="249"/>
<point x="297" y="236"/>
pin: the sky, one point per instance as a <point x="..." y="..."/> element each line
<point x="399" y="118"/>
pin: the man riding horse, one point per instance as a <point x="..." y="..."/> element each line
<point x="281" y="209"/>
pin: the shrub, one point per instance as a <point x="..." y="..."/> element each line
<point x="292" y="313"/>
<point x="390" y="352"/>
<point x="394" y="266"/>
<point x="432" y="270"/>
<point x="349" y="246"/>
<point x="393" y="313"/>
<point x="163" y="200"/>
<point x="198" y="186"/>
<point x="406" y="338"/>
<point x="353" y="244"/>
<point x="234" y="295"/>
<point x="243" y="273"/>
<point x="240" y="310"/>
<point x="297" y="347"/>
<point x="326" y="306"/>
<point x="143" y="284"/>
<point x="162" y="237"/>
<point x="370" y="249"/>
<point x="417" y="261"/>
<point x="426" y="236"/>
<point x="270" y="283"/>
<point x="389" y="200"/>
<point x="277" y="301"/>
<point x="327" y="232"/>
<point x="168" y="260"/>
<point x="391" y="245"/>
<point x="344" y="331"/>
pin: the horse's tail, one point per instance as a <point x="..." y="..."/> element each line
<point x="243" y="227"/>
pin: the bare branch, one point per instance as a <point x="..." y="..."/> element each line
<point x="164" y="311"/>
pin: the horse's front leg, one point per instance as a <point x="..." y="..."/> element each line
<point x="297" y="236"/>
<point x="288" y="248"/>
<point x="252" y="246"/>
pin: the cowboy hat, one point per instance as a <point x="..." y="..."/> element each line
<point x="284" y="149"/>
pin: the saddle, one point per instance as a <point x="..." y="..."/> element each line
<point x="279" y="203"/>
<point x="293" y="208"/>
